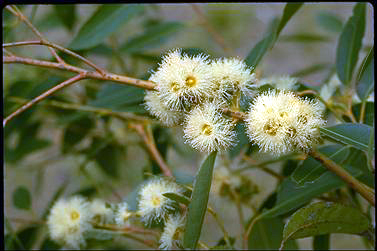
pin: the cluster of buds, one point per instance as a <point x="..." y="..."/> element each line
<point x="193" y="92"/>
<point x="71" y="221"/>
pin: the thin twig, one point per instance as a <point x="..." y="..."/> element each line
<point x="221" y="225"/>
<point x="148" y="85"/>
<point x="217" y="37"/>
<point x="35" y="31"/>
<point x="362" y="112"/>
<point x="58" y="47"/>
<point x="152" y="149"/>
<point x="43" y="96"/>
<point x="359" y="187"/>
<point x="264" y="168"/>
<point x="128" y="229"/>
<point x="238" y="115"/>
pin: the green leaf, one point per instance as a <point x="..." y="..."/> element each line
<point x="199" y="200"/>
<point x="324" y="218"/>
<point x="349" y="44"/>
<point x="66" y="14"/>
<point x="120" y="98"/>
<point x="49" y="244"/>
<point x="267" y="235"/>
<point x="329" y="21"/>
<point x="310" y="169"/>
<point x="365" y="78"/>
<point x="312" y="69"/>
<point x="178" y="198"/>
<point x="291" y="196"/>
<point x="321" y="242"/>
<point x="109" y="159"/>
<point x="75" y="132"/>
<point x="260" y="49"/>
<point x="353" y="134"/>
<point x="25" y="238"/>
<point x="304" y="38"/>
<point x="106" y="20"/>
<point x="244" y="140"/>
<point x="22" y="198"/>
<point x="368" y="112"/>
<point x="153" y="37"/>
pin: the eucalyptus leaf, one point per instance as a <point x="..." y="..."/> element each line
<point x="321" y="242"/>
<point x="368" y="112"/>
<point x="311" y="70"/>
<point x="310" y="169"/>
<point x="365" y="84"/>
<point x="66" y="14"/>
<point x="349" y="44"/>
<point x="329" y="21"/>
<point x="324" y="218"/>
<point x="353" y="134"/>
<point x="199" y="200"/>
<point x="178" y="198"/>
<point x="304" y="38"/>
<point x="106" y="20"/>
<point x="292" y="196"/>
<point x="22" y="198"/>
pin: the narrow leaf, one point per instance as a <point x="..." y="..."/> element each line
<point x="22" y="198"/>
<point x="106" y="20"/>
<point x="310" y="169"/>
<point x="304" y="38"/>
<point x="66" y="14"/>
<point x="366" y="77"/>
<point x="324" y="218"/>
<point x="353" y="134"/>
<point x="152" y="37"/>
<point x="329" y="22"/>
<point x="291" y="196"/>
<point x="199" y="200"/>
<point x="260" y="49"/>
<point x="178" y="198"/>
<point x="349" y="44"/>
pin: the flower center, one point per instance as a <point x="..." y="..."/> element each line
<point x="156" y="201"/>
<point x="174" y="87"/>
<point x="75" y="215"/>
<point x="270" y="129"/>
<point x="191" y="81"/>
<point x="207" y="129"/>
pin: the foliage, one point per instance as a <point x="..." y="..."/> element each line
<point x="95" y="137"/>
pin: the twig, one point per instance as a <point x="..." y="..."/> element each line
<point x="152" y="149"/>
<point x="237" y="115"/>
<point x="221" y="225"/>
<point x="18" y="13"/>
<point x="217" y="37"/>
<point x="85" y="108"/>
<point x="362" y="189"/>
<point x="264" y="168"/>
<point x="149" y="85"/>
<point x="58" y="47"/>
<point x="362" y="111"/>
<point x="43" y="96"/>
<point x="128" y="229"/>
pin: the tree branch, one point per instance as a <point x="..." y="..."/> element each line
<point x="359" y="187"/>
<point x="43" y="96"/>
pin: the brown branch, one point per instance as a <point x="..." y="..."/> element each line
<point x="43" y="96"/>
<point x="58" y="47"/>
<point x="88" y="74"/>
<point x="238" y="115"/>
<point x="23" y="18"/>
<point x="359" y="187"/>
<point x="152" y="149"/>
<point x="217" y="37"/>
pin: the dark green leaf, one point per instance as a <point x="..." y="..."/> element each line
<point x="291" y="196"/>
<point x="357" y="159"/>
<point x="27" y="238"/>
<point x="353" y="134"/>
<point x="120" y="98"/>
<point x="304" y="38"/>
<point x="321" y="242"/>
<point x="178" y="198"/>
<point x="324" y="218"/>
<point x="260" y="49"/>
<point x="22" y="198"/>
<point x="109" y="159"/>
<point x="349" y="44"/>
<point x="267" y="234"/>
<point x="311" y="70"/>
<point x="243" y="140"/>
<point x="67" y="14"/>
<point x="368" y="112"/>
<point x="199" y="200"/>
<point x="310" y="169"/>
<point x="75" y="132"/>
<point x="49" y="244"/>
<point x="106" y="20"/>
<point x="153" y="37"/>
<point x="329" y="22"/>
<point x="365" y="78"/>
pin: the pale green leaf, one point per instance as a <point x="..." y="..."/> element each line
<point x="199" y="200"/>
<point x="353" y="134"/>
<point x="349" y="44"/>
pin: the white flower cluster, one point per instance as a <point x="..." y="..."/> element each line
<point x="71" y="221"/>
<point x="191" y="91"/>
